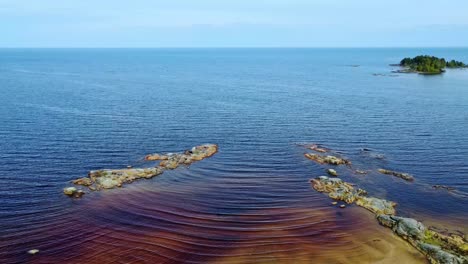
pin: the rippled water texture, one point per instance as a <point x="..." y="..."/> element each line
<point x="65" y="112"/>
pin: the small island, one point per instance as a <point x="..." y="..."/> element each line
<point x="428" y="65"/>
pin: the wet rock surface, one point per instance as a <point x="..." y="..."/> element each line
<point x="113" y="178"/>
<point x="404" y="176"/>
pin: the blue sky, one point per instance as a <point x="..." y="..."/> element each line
<point x="236" y="23"/>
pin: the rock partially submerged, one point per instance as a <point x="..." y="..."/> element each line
<point x="361" y="172"/>
<point x="33" y="251"/>
<point x="329" y="159"/>
<point x="370" y="153"/>
<point x="73" y="192"/>
<point x="317" y="148"/>
<point x="344" y="191"/>
<point x="109" y="179"/>
<point x="448" y="188"/>
<point x="438" y="248"/>
<point x="404" y="176"/>
<point x="332" y="172"/>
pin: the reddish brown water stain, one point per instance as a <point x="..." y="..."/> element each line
<point x="140" y="226"/>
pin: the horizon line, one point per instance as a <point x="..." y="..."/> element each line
<point x="242" y="47"/>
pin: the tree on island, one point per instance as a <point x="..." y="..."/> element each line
<point x="430" y="64"/>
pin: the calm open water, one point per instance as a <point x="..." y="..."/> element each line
<point x="64" y="112"/>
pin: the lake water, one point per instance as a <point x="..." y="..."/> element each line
<point x="64" y="112"/>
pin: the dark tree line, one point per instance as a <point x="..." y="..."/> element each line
<point x="430" y="64"/>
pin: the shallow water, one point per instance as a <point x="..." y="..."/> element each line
<point x="65" y="112"/>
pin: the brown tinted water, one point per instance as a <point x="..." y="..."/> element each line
<point x="66" y="112"/>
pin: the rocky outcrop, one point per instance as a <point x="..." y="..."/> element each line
<point x="344" y="191"/>
<point x="329" y="159"/>
<point x="438" y="248"/>
<point x="109" y="178"/>
<point x="404" y="176"/>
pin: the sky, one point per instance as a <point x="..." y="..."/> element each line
<point x="234" y="23"/>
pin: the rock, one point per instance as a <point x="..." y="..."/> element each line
<point x="336" y="188"/>
<point x="372" y="154"/>
<point x="437" y="255"/>
<point x="407" y="228"/>
<point x="33" y="251"/>
<point x="129" y="166"/>
<point x="332" y="172"/>
<point x="404" y="176"/>
<point x="343" y="191"/>
<point x="376" y="205"/>
<point x="318" y="149"/>
<point x="436" y="247"/>
<point x="438" y="187"/>
<point x="156" y="157"/>
<point x="327" y="159"/>
<point x="171" y="163"/>
<point x="342" y="206"/>
<point x="453" y="242"/>
<point x="69" y="191"/>
<point x="361" y="172"/>
<point x="73" y="192"/>
<point x="334" y="203"/>
<point x="83" y="181"/>
<point x="109" y="179"/>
